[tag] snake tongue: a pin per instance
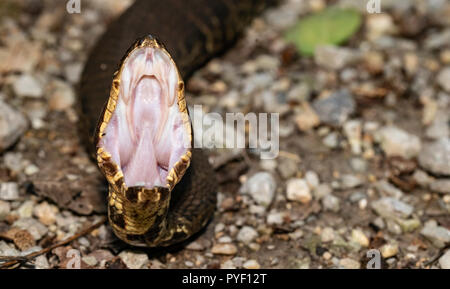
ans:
(146, 135)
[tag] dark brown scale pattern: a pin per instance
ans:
(193, 32)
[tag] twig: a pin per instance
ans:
(13, 260)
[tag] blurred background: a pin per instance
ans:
(363, 93)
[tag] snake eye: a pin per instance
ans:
(148, 132)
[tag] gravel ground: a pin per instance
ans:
(364, 157)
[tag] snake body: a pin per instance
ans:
(192, 32)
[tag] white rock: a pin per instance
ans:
(133, 259)
(261, 187)
(62, 96)
(224, 249)
(251, 264)
(246, 235)
(312, 179)
(275, 218)
(331, 203)
(389, 250)
(298, 190)
(27, 86)
(359, 237)
(397, 142)
(443, 78)
(348, 263)
(444, 261)
(4, 209)
(353, 132)
(9, 191)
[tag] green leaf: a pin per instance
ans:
(331, 26)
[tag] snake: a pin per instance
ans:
(135, 119)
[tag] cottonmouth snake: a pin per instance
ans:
(117, 83)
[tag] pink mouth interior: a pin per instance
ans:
(146, 135)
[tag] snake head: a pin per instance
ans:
(144, 135)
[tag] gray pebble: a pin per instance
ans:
(436, 234)
(331, 203)
(388, 207)
(12, 125)
(397, 142)
(246, 235)
(9, 191)
(261, 187)
(435, 157)
(335, 109)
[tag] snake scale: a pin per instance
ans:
(116, 77)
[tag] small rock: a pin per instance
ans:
(443, 78)
(331, 203)
(27, 86)
(444, 261)
(327, 235)
(385, 187)
(4, 209)
(312, 179)
(90, 260)
(397, 142)
(133, 259)
(26, 209)
(62, 96)
(422, 178)
(36, 229)
(408, 225)
(350, 181)
(353, 132)
(435, 157)
(298, 190)
(46, 213)
(441, 186)
(322, 190)
(331, 140)
(388, 207)
(73, 71)
(31, 170)
(274, 218)
(12, 125)
(359, 237)
(335, 109)
(436, 234)
(261, 187)
(333, 57)
(348, 263)
(228, 264)
(251, 264)
(224, 249)
(287, 168)
(41, 262)
(6, 250)
(306, 118)
(389, 250)
(9, 191)
(246, 235)
(195, 246)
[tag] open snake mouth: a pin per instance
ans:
(148, 131)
